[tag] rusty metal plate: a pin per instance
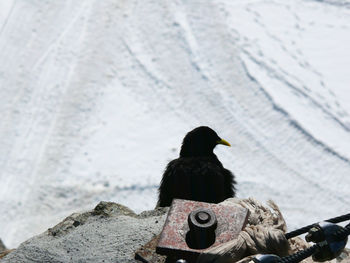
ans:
(172, 242)
(147, 253)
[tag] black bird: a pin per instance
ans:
(197, 174)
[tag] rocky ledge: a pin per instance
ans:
(109, 233)
(112, 233)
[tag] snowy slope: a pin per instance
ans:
(96, 97)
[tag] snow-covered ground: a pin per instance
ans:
(96, 97)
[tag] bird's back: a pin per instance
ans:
(196, 178)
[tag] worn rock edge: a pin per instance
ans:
(109, 233)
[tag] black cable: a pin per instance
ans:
(299, 256)
(331, 252)
(316, 250)
(305, 229)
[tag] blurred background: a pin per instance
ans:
(96, 97)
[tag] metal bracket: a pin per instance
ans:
(175, 239)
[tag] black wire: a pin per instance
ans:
(299, 256)
(305, 229)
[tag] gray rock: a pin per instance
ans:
(109, 233)
(2, 246)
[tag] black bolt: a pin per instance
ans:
(202, 223)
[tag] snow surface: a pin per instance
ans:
(96, 97)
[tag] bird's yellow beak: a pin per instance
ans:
(222, 141)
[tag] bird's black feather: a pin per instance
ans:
(197, 174)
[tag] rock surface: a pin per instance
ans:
(2, 246)
(109, 233)
(112, 233)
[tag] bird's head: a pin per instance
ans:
(200, 142)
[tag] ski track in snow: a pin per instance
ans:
(97, 96)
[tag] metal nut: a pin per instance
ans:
(202, 223)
